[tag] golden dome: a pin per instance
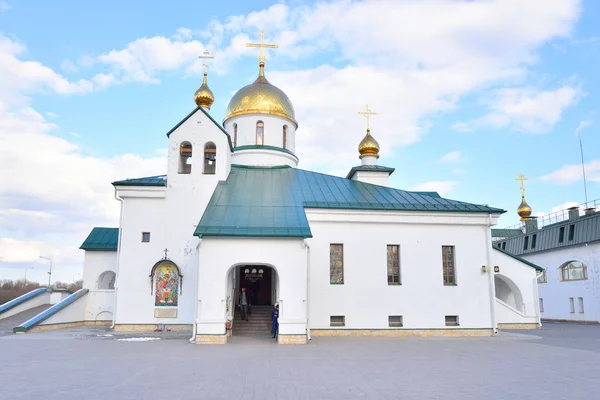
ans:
(524, 210)
(260, 97)
(368, 147)
(204, 97)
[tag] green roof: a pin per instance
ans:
(209, 117)
(375, 168)
(259, 201)
(524, 261)
(104, 239)
(505, 233)
(159, 180)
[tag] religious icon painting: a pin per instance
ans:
(166, 292)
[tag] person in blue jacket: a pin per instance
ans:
(274, 320)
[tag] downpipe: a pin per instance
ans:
(488, 241)
(195, 327)
(307, 290)
(120, 200)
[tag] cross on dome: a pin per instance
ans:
(522, 178)
(367, 114)
(262, 45)
(205, 56)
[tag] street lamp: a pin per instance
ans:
(26, 273)
(50, 270)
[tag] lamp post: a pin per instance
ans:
(26, 273)
(50, 270)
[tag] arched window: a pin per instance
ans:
(260, 133)
(106, 280)
(210, 158)
(573, 271)
(185, 158)
(285, 136)
(234, 135)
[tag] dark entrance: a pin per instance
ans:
(258, 285)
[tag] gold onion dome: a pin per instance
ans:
(260, 97)
(524, 210)
(368, 147)
(204, 97)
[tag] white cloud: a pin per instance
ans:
(582, 125)
(69, 66)
(442, 187)
(4, 7)
(573, 173)
(50, 114)
(452, 157)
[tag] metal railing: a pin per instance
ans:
(560, 215)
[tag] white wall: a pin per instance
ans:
(273, 132)
(99, 303)
(366, 300)
(218, 255)
(556, 293)
(39, 300)
(263, 158)
(74, 312)
(376, 178)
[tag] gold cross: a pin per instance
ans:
(367, 114)
(522, 178)
(262, 46)
(205, 56)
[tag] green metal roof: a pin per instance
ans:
(256, 201)
(209, 117)
(505, 233)
(159, 180)
(375, 168)
(524, 261)
(104, 239)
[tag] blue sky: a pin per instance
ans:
(469, 95)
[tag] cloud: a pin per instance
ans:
(573, 173)
(442, 187)
(582, 125)
(525, 109)
(69, 66)
(50, 114)
(4, 7)
(452, 157)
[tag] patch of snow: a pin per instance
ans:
(139, 339)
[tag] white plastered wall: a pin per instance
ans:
(99, 302)
(366, 300)
(218, 255)
(273, 130)
(556, 294)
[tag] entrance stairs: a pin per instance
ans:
(259, 322)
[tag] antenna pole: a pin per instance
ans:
(582, 166)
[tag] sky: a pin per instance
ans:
(469, 94)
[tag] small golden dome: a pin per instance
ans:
(368, 147)
(260, 97)
(524, 210)
(204, 97)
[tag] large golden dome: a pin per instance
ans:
(368, 147)
(524, 210)
(260, 97)
(204, 97)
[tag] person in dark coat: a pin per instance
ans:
(275, 321)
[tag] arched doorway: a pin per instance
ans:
(508, 292)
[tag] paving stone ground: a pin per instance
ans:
(561, 361)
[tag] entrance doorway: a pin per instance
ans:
(259, 283)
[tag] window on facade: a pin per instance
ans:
(448, 264)
(395, 321)
(336, 263)
(210, 158)
(542, 278)
(393, 264)
(541, 305)
(571, 305)
(337, 320)
(572, 232)
(580, 305)
(260, 133)
(561, 234)
(451, 320)
(573, 271)
(526, 243)
(503, 245)
(285, 136)
(534, 240)
(234, 135)
(106, 280)
(145, 237)
(185, 158)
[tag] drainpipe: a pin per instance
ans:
(536, 304)
(488, 235)
(118, 259)
(195, 327)
(307, 289)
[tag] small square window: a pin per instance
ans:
(337, 320)
(145, 237)
(395, 321)
(451, 320)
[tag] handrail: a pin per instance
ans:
(44, 315)
(21, 299)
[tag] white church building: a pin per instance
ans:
(340, 256)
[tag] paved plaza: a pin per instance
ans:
(558, 362)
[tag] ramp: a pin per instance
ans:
(59, 313)
(7, 324)
(25, 302)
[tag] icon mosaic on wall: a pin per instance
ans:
(166, 291)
